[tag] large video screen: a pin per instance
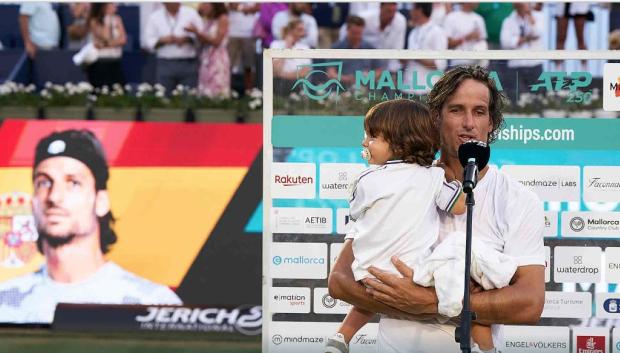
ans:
(127, 213)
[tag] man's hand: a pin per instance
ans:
(401, 292)
(31, 49)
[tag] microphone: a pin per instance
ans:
(474, 156)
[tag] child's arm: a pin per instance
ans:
(458, 204)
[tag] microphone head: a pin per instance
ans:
(478, 150)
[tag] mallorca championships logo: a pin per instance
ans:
(321, 91)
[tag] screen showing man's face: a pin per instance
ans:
(64, 198)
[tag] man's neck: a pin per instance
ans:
(422, 21)
(76, 261)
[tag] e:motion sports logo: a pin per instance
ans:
(318, 72)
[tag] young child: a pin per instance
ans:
(393, 208)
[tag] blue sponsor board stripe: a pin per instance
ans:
(519, 133)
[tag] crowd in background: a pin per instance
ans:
(205, 45)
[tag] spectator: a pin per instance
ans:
(522, 30)
(494, 14)
(426, 35)
(287, 69)
(440, 11)
(329, 16)
(385, 29)
(579, 12)
(109, 37)
(466, 31)
(614, 43)
(242, 43)
(39, 26)
(263, 30)
(354, 40)
(296, 10)
(175, 47)
(78, 29)
(214, 73)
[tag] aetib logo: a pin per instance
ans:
(319, 72)
(611, 87)
(577, 224)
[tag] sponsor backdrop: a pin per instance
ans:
(182, 195)
(573, 165)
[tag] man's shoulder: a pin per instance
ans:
(512, 188)
(22, 283)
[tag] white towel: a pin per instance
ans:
(444, 268)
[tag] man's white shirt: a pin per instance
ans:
(459, 24)
(162, 23)
(514, 27)
(282, 18)
(428, 36)
(508, 218)
(32, 298)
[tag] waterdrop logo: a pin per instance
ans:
(319, 72)
(277, 260)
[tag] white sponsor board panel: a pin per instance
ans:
(601, 184)
(611, 76)
(550, 183)
(551, 224)
(290, 300)
(590, 340)
(607, 305)
(612, 265)
(310, 337)
(336, 179)
(342, 220)
(535, 339)
(577, 264)
(591, 224)
(567, 305)
(293, 180)
(301, 220)
(325, 304)
(299, 260)
(334, 251)
(547, 264)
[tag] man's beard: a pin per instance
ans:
(55, 241)
(297, 12)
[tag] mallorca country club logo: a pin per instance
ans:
(319, 72)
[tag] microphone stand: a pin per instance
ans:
(462, 333)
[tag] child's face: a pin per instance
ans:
(380, 151)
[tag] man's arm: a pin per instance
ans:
(520, 303)
(31, 49)
(342, 285)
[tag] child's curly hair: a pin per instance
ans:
(408, 127)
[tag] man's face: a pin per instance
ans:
(465, 116)
(469, 6)
(354, 33)
(387, 12)
(64, 199)
(172, 7)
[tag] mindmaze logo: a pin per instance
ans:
(577, 224)
(319, 72)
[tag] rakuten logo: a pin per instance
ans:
(288, 180)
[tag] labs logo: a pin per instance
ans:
(577, 224)
(319, 72)
(611, 87)
(590, 344)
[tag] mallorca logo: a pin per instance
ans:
(18, 234)
(319, 72)
(577, 224)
